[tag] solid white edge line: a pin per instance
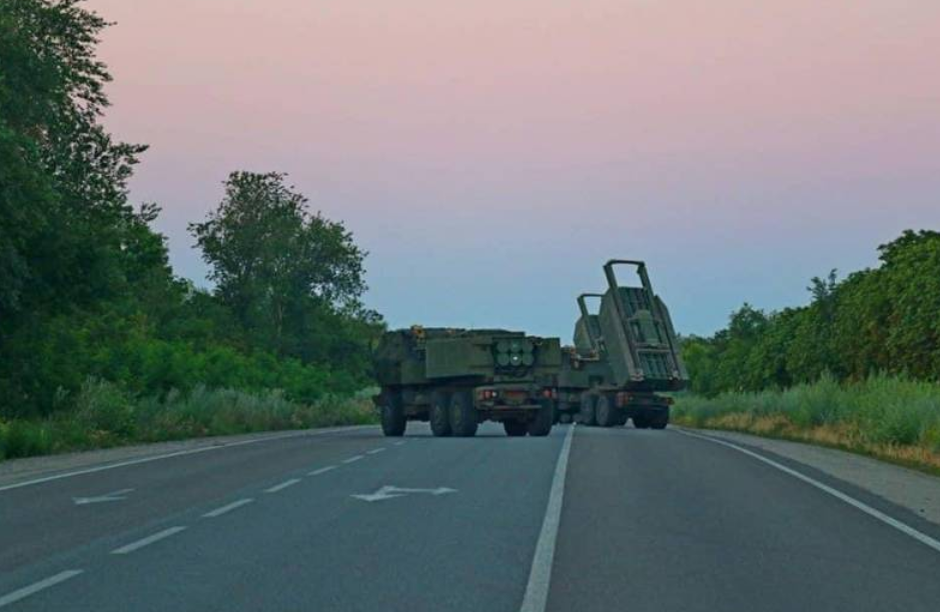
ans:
(322, 470)
(283, 485)
(353, 459)
(160, 535)
(376, 451)
(193, 451)
(400, 443)
(32, 589)
(536, 590)
(228, 508)
(904, 528)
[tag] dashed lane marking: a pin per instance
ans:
(42, 585)
(322, 470)
(228, 508)
(160, 535)
(283, 485)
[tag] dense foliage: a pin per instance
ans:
(884, 320)
(87, 296)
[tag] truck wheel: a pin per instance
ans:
(641, 421)
(660, 420)
(515, 429)
(605, 412)
(463, 415)
(542, 424)
(437, 414)
(588, 403)
(393, 416)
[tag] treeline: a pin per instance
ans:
(89, 305)
(857, 368)
(884, 320)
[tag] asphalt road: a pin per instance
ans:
(586, 519)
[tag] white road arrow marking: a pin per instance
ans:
(389, 492)
(107, 497)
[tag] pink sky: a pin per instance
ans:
(491, 154)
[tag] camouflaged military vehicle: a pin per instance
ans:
(457, 378)
(623, 354)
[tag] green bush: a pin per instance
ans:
(104, 410)
(23, 439)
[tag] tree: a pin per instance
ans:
(910, 275)
(281, 269)
(73, 251)
(64, 197)
(26, 198)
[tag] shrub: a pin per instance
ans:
(104, 411)
(23, 439)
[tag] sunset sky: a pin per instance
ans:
(490, 155)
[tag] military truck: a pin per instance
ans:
(624, 354)
(457, 378)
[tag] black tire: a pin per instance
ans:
(641, 421)
(588, 403)
(660, 420)
(393, 416)
(438, 414)
(463, 415)
(514, 429)
(541, 425)
(605, 413)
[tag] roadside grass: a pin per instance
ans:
(106, 416)
(886, 417)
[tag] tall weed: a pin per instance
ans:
(106, 415)
(879, 412)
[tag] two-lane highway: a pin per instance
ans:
(585, 519)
